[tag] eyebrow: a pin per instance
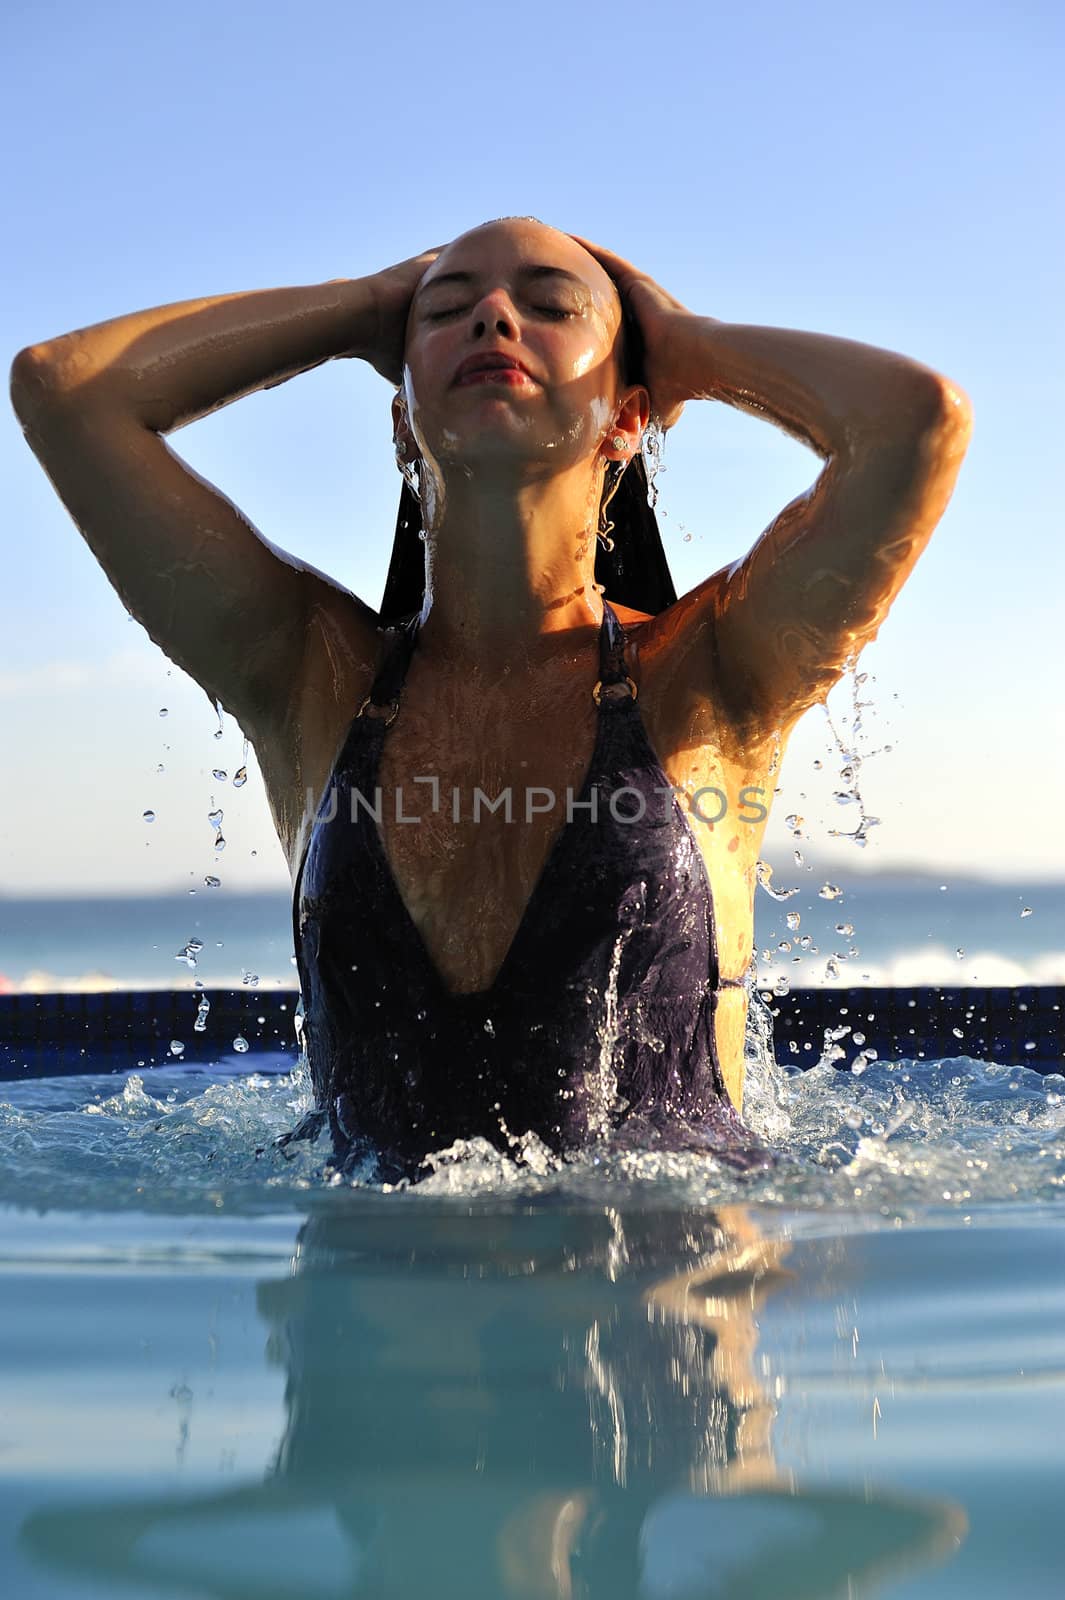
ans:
(530, 273)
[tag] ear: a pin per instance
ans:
(630, 419)
(406, 445)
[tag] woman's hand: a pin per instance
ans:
(392, 291)
(658, 316)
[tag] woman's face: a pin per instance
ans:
(525, 292)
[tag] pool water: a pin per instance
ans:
(223, 1372)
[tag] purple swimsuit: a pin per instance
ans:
(600, 1022)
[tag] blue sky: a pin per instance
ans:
(887, 176)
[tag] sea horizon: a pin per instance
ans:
(883, 928)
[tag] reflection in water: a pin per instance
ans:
(520, 1406)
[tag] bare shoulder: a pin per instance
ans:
(689, 684)
(299, 736)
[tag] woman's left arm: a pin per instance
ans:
(815, 587)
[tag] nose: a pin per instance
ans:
(494, 313)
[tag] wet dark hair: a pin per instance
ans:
(635, 573)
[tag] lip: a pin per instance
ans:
(492, 366)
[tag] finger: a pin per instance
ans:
(621, 270)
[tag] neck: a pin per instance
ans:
(509, 567)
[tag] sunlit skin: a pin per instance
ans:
(498, 691)
(513, 470)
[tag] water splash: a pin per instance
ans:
(602, 1082)
(764, 874)
(651, 448)
(873, 1135)
(850, 771)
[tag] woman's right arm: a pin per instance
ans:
(224, 603)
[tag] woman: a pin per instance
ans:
(554, 963)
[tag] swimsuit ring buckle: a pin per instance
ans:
(386, 713)
(601, 689)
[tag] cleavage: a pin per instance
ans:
(467, 884)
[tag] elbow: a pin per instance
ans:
(936, 426)
(952, 410)
(944, 439)
(33, 381)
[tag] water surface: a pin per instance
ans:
(224, 1372)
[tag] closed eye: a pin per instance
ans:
(456, 311)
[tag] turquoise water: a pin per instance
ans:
(223, 1373)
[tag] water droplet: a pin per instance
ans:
(793, 918)
(960, 953)
(240, 777)
(212, 883)
(204, 1006)
(176, 1047)
(160, 767)
(781, 985)
(1027, 912)
(846, 929)
(859, 1038)
(215, 818)
(218, 774)
(240, 1044)
(831, 969)
(794, 821)
(829, 891)
(219, 842)
(250, 978)
(488, 1028)
(163, 712)
(149, 816)
(764, 873)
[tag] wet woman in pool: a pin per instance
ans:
(522, 815)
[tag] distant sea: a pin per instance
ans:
(907, 930)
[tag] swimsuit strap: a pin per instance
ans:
(614, 687)
(382, 702)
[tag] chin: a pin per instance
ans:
(511, 441)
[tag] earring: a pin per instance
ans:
(618, 442)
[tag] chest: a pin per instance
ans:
(476, 786)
